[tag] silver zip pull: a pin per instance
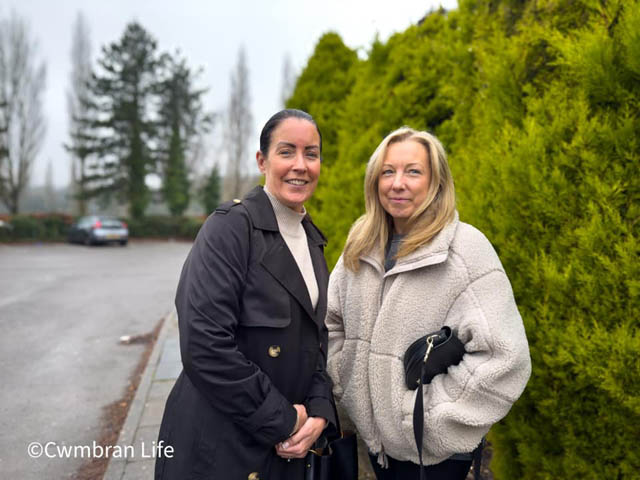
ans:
(429, 347)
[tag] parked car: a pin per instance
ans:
(95, 229)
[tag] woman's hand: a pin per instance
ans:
(299, 444)
(301, 417)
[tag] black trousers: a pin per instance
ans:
(447, 470)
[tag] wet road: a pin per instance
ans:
(62, 310)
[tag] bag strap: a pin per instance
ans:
(418, 420)
(418, 407)
(418, 423)
(335, 413)
(477, 461)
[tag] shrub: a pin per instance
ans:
(36, 227)
(538, 104)
(158, 226)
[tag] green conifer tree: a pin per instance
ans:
(181, 120)
(211, 191)
(402, 82)
(176, 182)
(550, 160)
(321, 90)
(322, 87)
(538, 105)
(123, 92)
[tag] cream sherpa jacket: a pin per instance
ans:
(373, 316)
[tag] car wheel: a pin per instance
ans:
(123, 242)
(87, 240)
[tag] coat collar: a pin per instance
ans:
(434, 252)
(260, 210)
(263, 217)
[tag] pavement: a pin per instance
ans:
(139, 434)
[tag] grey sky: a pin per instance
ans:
(209, 34)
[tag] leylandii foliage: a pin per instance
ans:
(538, 105)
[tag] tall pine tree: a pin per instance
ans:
(123, 93)
(181, 120)
(211, 191)
(322, 90)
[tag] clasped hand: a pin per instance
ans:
(306, 432)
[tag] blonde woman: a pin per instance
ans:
(410, 267)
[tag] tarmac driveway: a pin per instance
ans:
(63, 309)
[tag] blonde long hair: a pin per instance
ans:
(372, 229)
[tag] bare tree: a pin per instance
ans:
(79, 111)
(238, 126)
(22, 84)
(49, 189)
(288, 80)
(3, 135)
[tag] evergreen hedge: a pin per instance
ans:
(54, 227)
(538, 104)
(158, 226)
(35, 227)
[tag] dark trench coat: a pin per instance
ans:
(251, 345)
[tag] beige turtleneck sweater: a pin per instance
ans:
(291, 229)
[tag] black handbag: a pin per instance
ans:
(334, 459)
(425, 358)
(441, 348)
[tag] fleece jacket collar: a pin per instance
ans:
(434, 252)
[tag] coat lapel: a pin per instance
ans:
(316, 244)
(280, 263)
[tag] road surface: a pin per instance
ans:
(63, 309)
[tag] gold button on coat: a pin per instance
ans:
(253, 476)
(274, 351)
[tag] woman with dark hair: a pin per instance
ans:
(409, 268)
(254, 395)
